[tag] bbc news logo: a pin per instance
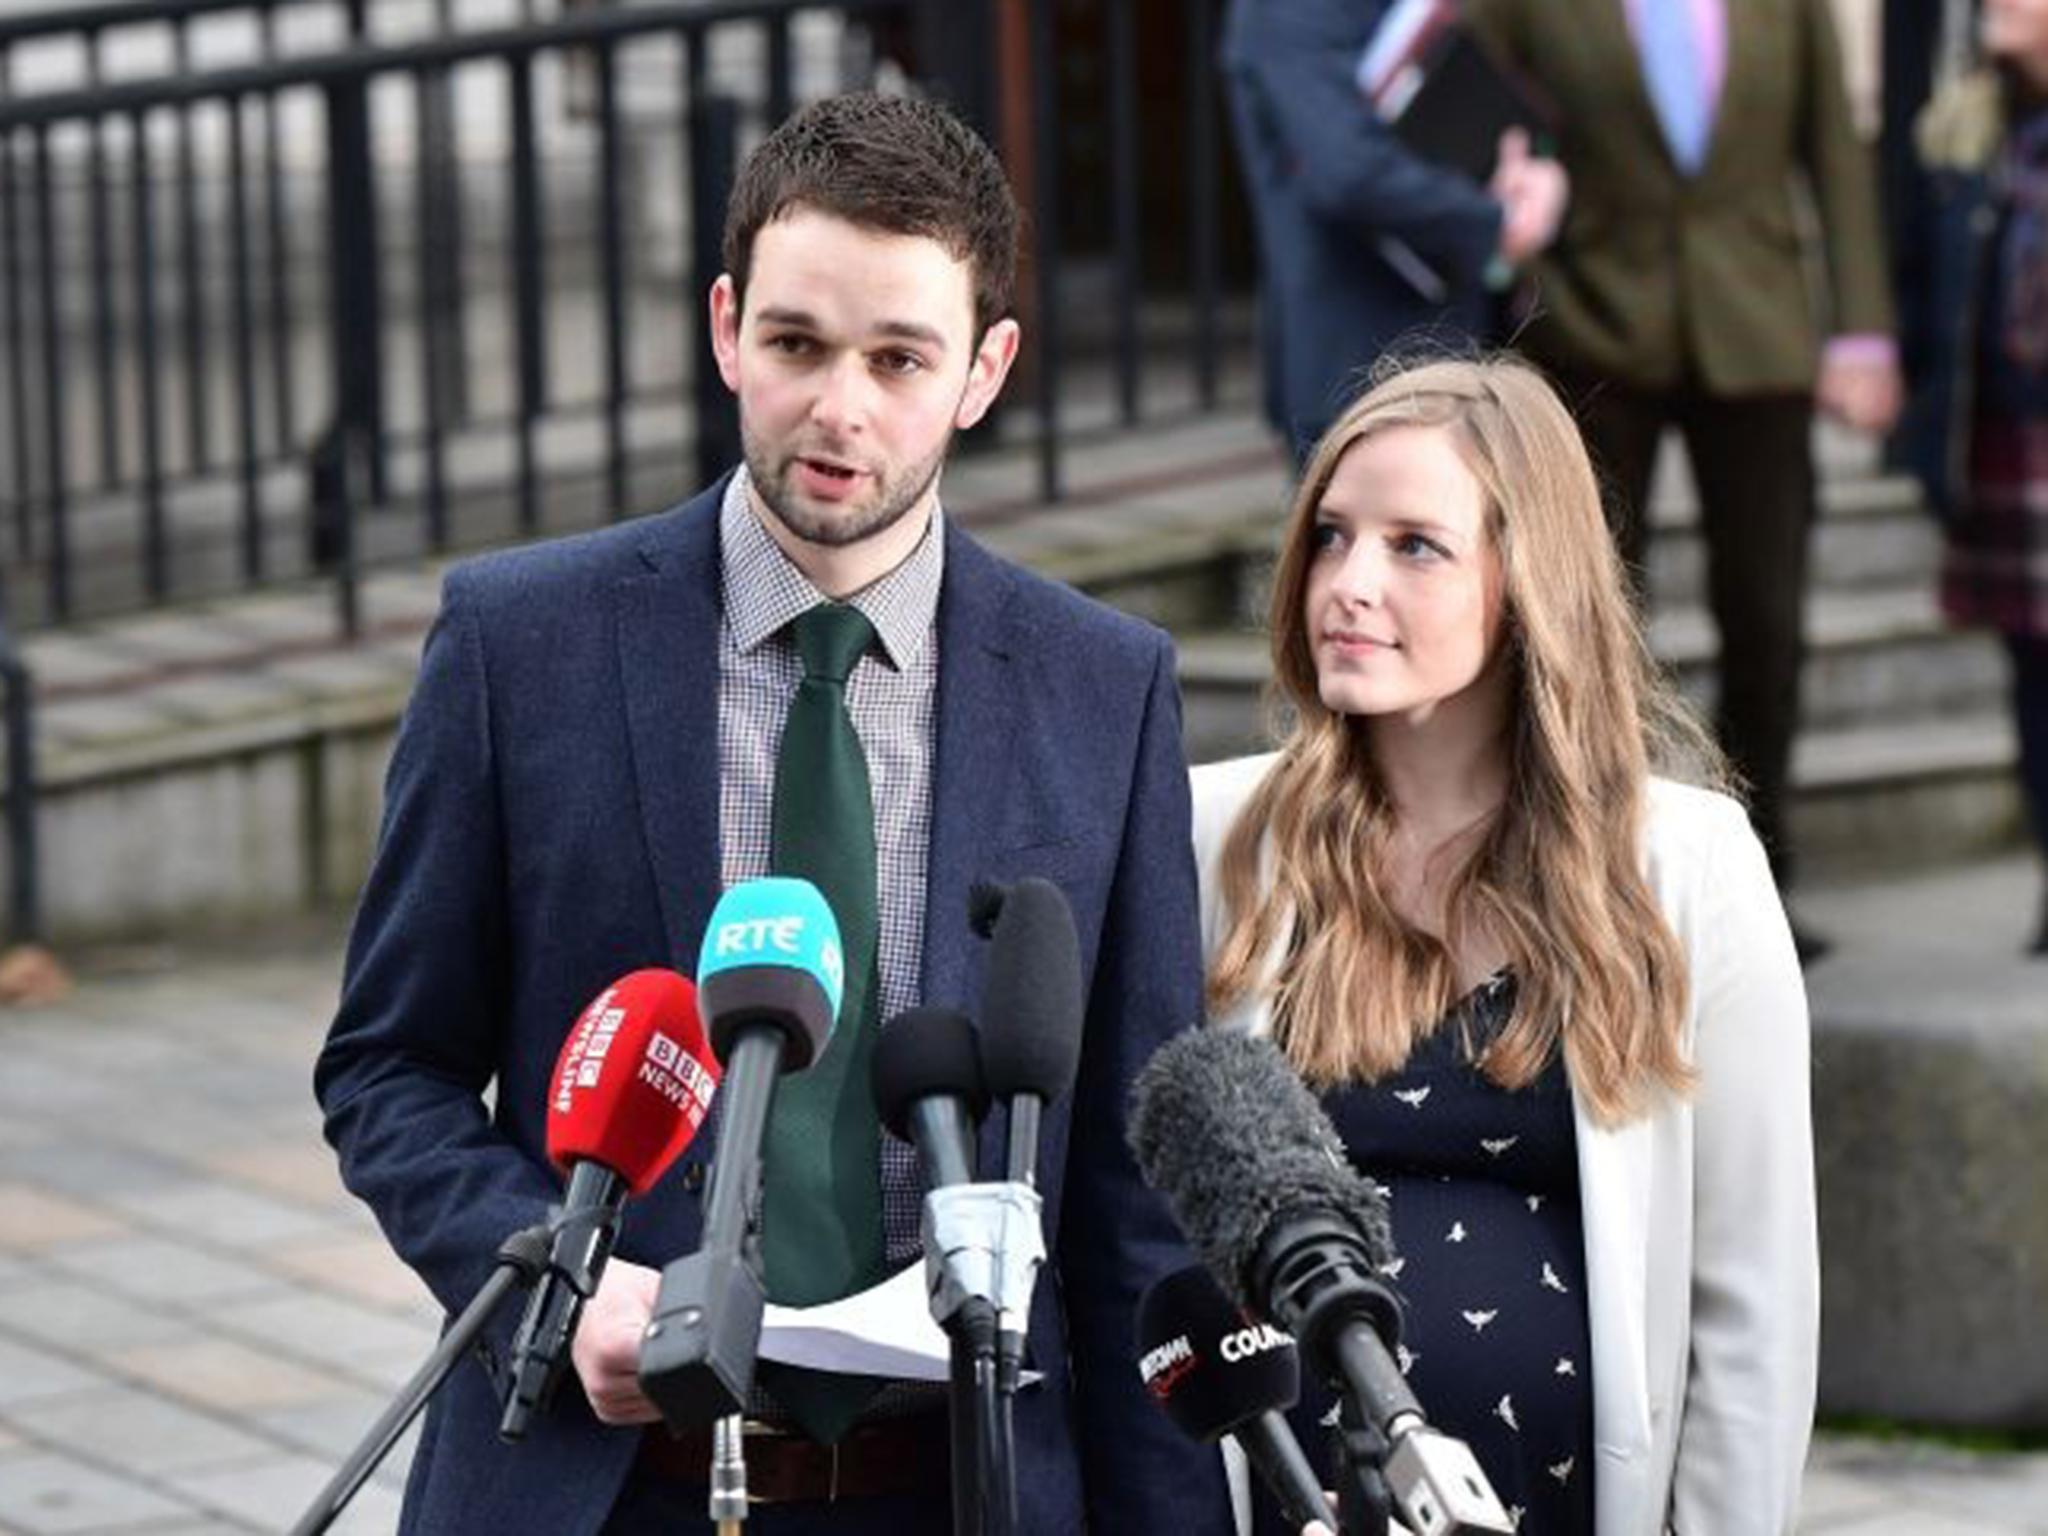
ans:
(584, 1064)
(679, 1076)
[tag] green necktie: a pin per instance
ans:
(821, 1219)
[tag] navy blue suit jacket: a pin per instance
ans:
(1328, 183)
(551, 821)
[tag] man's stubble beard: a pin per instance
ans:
(894, 499)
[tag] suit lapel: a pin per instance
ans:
(667, 630)
(1741, 28)
(971, 764)
(1612, 33)
(972, 722)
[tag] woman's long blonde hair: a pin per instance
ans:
(1556, 875)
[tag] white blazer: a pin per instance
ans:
(1702, 1264)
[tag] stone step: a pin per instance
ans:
(1872, 654)
(1873, 532)
(223, 759)
(1892, 791)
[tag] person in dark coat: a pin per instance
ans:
(595, 751)
(1973, 295)
(1363, 243)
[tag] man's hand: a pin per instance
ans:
(606, 1350)
(1532, 194)
(1861, 390)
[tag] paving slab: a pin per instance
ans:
(161, 1269)
(80, 1319)
(219, 1214)
(50, 1494)
(148, 1434)
(342, 1337)
(269, 1495)
(224, 1375)
(297, 1170)
(34, 1221)
(29, 1373)
(103, 1173)
(331, 1428)
(362, 1267)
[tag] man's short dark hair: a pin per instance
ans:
(897, 164)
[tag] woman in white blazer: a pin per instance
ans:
(1462, 852)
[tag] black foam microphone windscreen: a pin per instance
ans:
(1224, 1128)
(1031, 997)
(926, 1078)
(924, 1053)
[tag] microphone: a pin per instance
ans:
(927, 1081)
(1256, 1175)
(631, 1086)
(769, 983)
(1216, 1372)
(1031, 1044)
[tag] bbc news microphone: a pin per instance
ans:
(769, 984)
(630, 1090)
(1257, 1178)
(1217, 1372)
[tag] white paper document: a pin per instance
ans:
(886, 1330)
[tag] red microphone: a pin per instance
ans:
(634, 1080)
(632, 1085)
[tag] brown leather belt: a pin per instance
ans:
(909, 1455)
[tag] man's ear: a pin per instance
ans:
(723, 303)
(985, 375)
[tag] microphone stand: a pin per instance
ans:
(1365, 1504)
(522, 1261)
(970, 1336)
(1015, 1273)
(966, 1254)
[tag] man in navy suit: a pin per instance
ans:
(587, 762)
(1364, 244)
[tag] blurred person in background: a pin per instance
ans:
(1973, 293)
(1361, 241)
(1679, 293)
(1488, 903)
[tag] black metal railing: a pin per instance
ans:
(24, 890)
(245, 343)
(344, 328)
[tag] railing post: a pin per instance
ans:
(714, 151)
(25, 907)
(956, 48)
(355, 293)
(1045, 218)
(341, 485)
